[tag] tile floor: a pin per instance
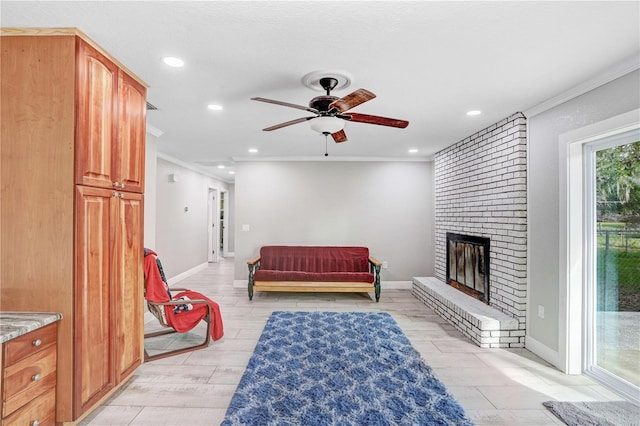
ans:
(494, 386)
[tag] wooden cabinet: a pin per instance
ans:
(73, 134)
(132, 104)
(109, 151)
(29, 378)
(128, 309)
(107, 219)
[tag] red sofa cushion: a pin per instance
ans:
(319, 259)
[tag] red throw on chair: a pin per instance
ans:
(180, 317)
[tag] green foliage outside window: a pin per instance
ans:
(618, 217)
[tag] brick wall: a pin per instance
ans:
(481, 190)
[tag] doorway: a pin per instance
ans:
(222, 224)
(612, 267)
(217, 218)
(213, 224)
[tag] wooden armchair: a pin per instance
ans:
(158, 309)
(180, 313)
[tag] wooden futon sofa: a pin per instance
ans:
(314, 269)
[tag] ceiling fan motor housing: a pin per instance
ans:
(321, 103)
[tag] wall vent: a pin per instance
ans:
(151, 107)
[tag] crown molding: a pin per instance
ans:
(200, 170)
(623, 68)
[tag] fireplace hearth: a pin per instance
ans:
(468, 265)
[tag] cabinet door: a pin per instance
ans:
(93, 330)
(128, 284)
(129, 163)
(96, 111)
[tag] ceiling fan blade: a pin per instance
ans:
(287, 104)
(339, 136)
(351, 100)
(374, 119)
(288, 123)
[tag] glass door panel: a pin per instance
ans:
(615, 294)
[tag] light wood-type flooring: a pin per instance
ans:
(495, 386)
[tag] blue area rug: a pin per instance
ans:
(338, 368)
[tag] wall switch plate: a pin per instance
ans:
(385, 265)
(540, 311)
(246, 228)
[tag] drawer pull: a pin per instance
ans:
(35, 423)
(37, 342)
(35, 377)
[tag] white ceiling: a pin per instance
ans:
(427, 62)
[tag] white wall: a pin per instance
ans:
(387, 206)
(150, 191)
(547, 200)
(182, 236)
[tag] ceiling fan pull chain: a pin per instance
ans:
(326, 153)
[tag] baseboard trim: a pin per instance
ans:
(543, 351)
(396, 285)
(186, 274)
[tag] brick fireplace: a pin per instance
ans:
(480, 191)
(468, 266)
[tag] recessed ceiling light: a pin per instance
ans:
(413, 151)
(214, 107)
(474, 112)
(253, 150)
(173, 61)
(221, 166)
(231, 172)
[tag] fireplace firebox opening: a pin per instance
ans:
(468, 264)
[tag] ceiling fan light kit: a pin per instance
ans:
(330, 111)
(327, 125)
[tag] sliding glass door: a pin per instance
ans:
(613, 267)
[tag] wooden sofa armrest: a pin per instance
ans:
(254, 265)
(374, 266)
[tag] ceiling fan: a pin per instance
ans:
(331, 112)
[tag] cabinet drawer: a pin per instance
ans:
(30, 343)
(28, 378)
(41, 410)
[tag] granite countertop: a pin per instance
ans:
(15, 324)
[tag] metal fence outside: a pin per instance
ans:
(618, 269)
